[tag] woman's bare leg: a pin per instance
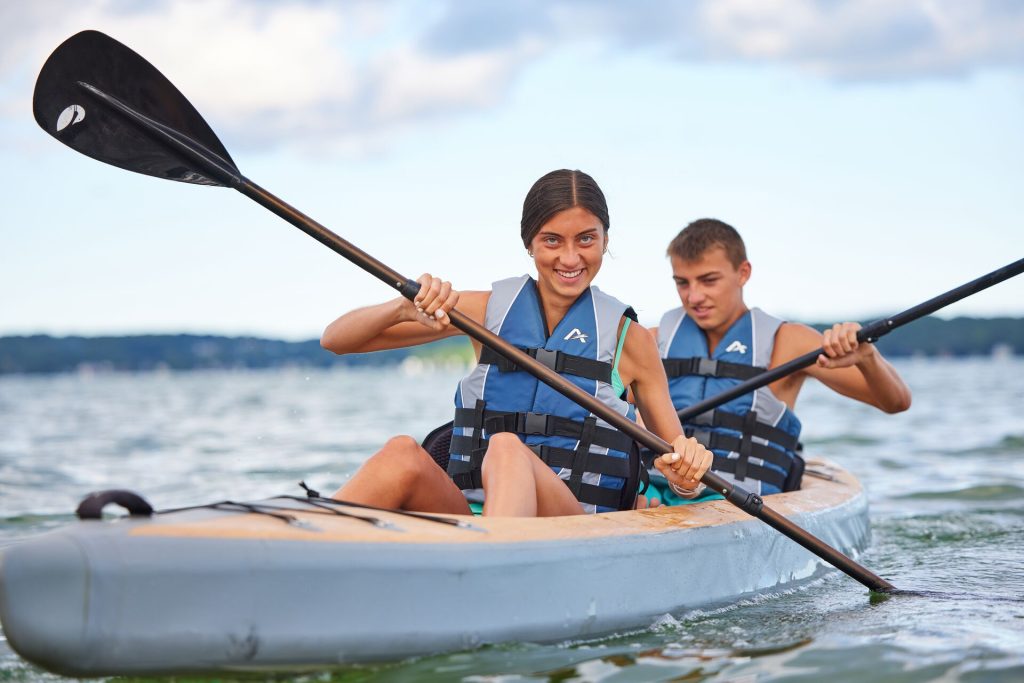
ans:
(403, 476)
(518, 484)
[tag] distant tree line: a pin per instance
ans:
(46, 354)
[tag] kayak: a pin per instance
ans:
(288, 584)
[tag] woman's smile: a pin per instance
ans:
(568, 251)
(570, 275)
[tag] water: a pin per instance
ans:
(945, 481)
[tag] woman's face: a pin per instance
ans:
(568, 251)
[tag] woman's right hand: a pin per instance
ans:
(431, 304)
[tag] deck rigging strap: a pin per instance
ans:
(322, 506)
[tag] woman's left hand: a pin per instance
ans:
(686, 464)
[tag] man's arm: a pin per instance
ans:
(848, 367)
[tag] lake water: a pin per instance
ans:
(945, 481)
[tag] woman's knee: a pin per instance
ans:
(402, 443)
(504, 441)
(505, 450)
(404, 454)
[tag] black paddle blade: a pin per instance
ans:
(70, 111)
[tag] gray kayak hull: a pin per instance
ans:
(207, 591)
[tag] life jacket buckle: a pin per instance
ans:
(707, 366)
(534, 424)
(549, 359)
(705, 418)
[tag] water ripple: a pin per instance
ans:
(945, 481)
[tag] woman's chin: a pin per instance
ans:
(570, 288)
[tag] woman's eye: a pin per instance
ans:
(587, 239)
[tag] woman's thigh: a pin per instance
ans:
(554, 499)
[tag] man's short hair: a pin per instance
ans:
(695, 239)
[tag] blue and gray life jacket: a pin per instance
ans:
(755, 437)
(600, 465)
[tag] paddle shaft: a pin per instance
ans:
(869, 334)
(219, 169)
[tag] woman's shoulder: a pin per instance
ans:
(640, 342)
(636, 332)
(474, 303)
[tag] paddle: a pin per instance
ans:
(104, 100)
(870, 334)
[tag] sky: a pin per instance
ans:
(871, 153)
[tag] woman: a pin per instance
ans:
(512, 433)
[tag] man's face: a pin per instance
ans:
(711, 288)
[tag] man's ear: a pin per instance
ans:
(744, 271)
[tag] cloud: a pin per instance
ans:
(349, 75)
(869, 39)
(862, 39)
(319, 73)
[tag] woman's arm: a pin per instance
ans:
(642, 369)
(399, 323)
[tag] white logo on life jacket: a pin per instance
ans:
(736, 346)
(576, 334)
(70, 116)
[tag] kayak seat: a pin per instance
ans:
(438, 442)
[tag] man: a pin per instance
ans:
(713, 342)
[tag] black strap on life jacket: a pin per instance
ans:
(581, 455)
(707, 367)
(717, 441)
(467, 473)
(750, 470)
(721, 463)
(741, 468)
(559, 361)
(529, 424)
(739, 423)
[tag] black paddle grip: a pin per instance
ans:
(751, 503)
(410, 289)
(872, 331)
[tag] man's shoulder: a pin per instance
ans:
(793, 339)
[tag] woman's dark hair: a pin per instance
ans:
(558, 191)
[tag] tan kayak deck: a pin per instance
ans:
(322, 526)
